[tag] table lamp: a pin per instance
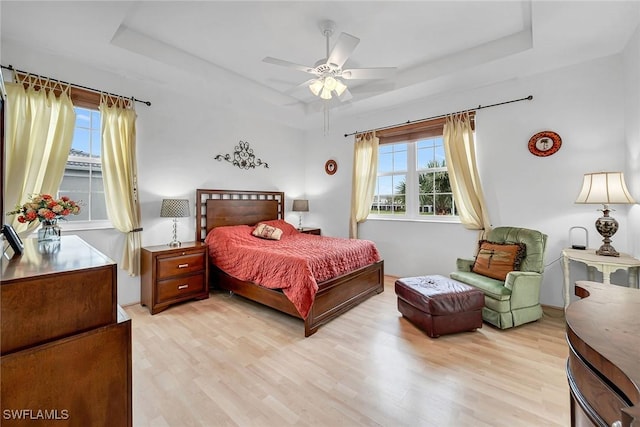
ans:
(300, 206)
(174, 208)
(605, 188)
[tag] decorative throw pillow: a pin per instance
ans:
(495, 260)
(287, 229)
(265, 231)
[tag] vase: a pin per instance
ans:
(49, 231)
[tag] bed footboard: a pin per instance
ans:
(339, 295)
(334, 296)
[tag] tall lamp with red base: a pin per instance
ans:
(605, 188)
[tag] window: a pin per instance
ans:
(82, 180)
(413, 181)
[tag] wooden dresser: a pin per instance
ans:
(603, 333)
(65, 343)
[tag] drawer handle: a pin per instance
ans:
(616, 424)
(183, 265)
(185, 286)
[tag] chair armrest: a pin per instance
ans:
(463, 264)
(524, 287)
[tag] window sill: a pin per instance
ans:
(435, 219)
(85, 225)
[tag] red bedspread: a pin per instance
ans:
(296, 263)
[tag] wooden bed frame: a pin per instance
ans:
(215, 208)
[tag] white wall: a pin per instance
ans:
(582, 103)
(178, 137)
(631, 61)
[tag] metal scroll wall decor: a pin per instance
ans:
(242, 157)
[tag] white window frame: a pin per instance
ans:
(412, 190)
(87, 224)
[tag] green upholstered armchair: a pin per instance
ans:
(516, 300)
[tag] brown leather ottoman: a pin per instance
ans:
(439, 305)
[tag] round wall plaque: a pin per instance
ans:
(330, 167)
(544, 144)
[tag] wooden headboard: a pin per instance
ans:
(216, 208)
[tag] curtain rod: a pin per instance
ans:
(10, 67)
(479, 107)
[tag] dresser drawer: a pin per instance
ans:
(180, 264)
(180, 287)
(594, 392)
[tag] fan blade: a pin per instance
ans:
(369, 73)
(288, 64)
(342, 50)
(346, 96)
(300, 86)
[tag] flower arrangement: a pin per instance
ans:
(43, 207)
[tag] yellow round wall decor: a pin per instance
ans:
(545, 143)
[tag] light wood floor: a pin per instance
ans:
(226, 361)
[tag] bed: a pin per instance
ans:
(335, 296)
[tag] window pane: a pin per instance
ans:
(82, 180)
(439, 152)
(96, 147)
(400, 159)
(392, 158)
(430, 153)
(83, 118)
(82, 141)
(95, 119)
(444, 204)
(398, 202)
(425, 206)
(385, 162)
(390, 195)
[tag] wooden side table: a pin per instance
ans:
(604, 264)
(311, 230)
(173, 274)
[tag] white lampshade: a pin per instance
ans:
(316, 87)
(330, 83)
(340, 87)
(604, 188)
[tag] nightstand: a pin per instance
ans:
(170, 275)
(311, 230)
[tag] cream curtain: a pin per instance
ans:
(38, 138)
(460, 154)
(365, 168)
(119, 173)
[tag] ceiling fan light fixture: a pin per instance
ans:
(316, 86)
(340, 87)
(330, 83)
(326, 93)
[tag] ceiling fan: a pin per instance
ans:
(328, 71)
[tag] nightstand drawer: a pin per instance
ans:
(177, 265)
(179, 287)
